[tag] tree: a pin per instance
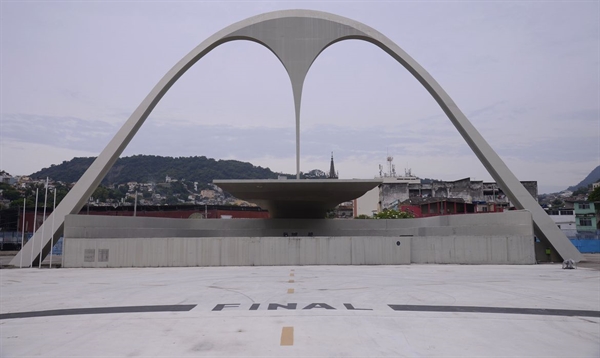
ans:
(101, 193)
(30, 203)
(594, 195)
(171, 200)
(394, 214)
(315, 174)
(9, 192)
(581, 190)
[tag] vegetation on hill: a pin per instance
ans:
(9, 192)
(151, 168)
(593, 177)
(16, 196)
(594, 195)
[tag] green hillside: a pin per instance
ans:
(592, 177)
(151, 168)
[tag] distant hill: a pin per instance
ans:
(593, 177)
(151, 168)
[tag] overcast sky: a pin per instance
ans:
(526, 74)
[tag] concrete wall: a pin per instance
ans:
(489, 224)
(456, 249)
(498, 238)
(236, 251)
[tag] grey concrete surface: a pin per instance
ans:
(236, 251)
(590, 261)
(297, 37)
(274, 251)
(473, 250)
(493, 238)
(299, 198)
(516, 316)
(7, 256)
(492, 224)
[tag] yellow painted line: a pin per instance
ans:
(290, 290)
(287, 336)
(291, 281)
(291, 275)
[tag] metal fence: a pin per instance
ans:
(11, 241)
(587, 246)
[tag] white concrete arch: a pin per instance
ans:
(297, 37)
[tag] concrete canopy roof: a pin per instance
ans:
(297, 198)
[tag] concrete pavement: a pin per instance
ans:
(302, 311)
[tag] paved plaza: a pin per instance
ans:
(412, 310)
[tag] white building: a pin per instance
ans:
(565, 220)
(370, 202)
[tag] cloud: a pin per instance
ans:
(430, 149)
(525, 74)
(24, 158)
(61, 132)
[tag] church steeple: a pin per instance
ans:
(332, 173)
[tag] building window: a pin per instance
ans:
(584, 206)
(585, 222)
